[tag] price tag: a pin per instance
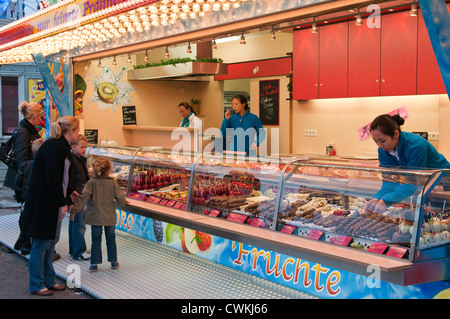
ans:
(214, 213)
(178, 205)
(315, 234)
(163, 201)
(237, 217)
(378, 248)
(398, 252)
(259, 222)
(151, 199)
(141, 196)
(183, 207)
(288, 229)
(156, 200)
(170, 203)
(134, 195)
(343, 240)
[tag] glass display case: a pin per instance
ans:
(326, 202)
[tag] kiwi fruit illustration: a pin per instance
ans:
(107, 92)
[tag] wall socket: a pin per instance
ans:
(433, 136)
(310, 133)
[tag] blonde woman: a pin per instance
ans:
(23, 137)
(46, 203)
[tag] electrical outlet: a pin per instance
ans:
(310, 132)
(433, 136)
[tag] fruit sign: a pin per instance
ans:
(307, 276)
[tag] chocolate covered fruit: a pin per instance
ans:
(107, 92)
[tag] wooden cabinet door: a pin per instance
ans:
(398, 54)
(333, 60)
(305, 55)
(363, 60)
(429, 78)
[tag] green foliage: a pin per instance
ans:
(176, 61)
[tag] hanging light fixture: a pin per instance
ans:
(314, 26)
(99, 64)
(114, 62)
(86, 67)
(413, 12)
(189, 50)
(146, 56)
(214, 44)
(272, 34)
(129, 58)
(166, 53)
(243, 38)
(358, 19)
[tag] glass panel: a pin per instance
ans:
(119, 156)
(238, 190)
(435, 224)
(10, 103)
(336, 202)
(159, 174)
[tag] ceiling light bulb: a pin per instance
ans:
(129, 58)
(314, 26)
(272, 34)
(114, 62)
(146, 56)
(214, 44)
(358, 19)
(99, 64)
(166, 53)
(189, 50)
(243, 39)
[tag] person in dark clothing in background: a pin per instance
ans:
(23, 136)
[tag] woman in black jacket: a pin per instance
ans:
(46, 203)
(24, 136)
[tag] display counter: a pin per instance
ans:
(301, 208)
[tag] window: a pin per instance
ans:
(10, 102)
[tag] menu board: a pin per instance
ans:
(129, 115)
(269, 102)
(91, 135)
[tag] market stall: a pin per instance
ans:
(291, 222)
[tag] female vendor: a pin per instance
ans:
(190, 119)
(397, 148)
(247, 129)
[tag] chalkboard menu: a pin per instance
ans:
(269, 102)
(129, 115)
(91, 135)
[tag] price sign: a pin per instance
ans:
(343, 240)
(397, 252)
(288, 229)
(237, 217)
(156, 200)
(214, 213)
(315, 234)
(163, 201)
(378, 248)
(151, 199)
(170, 203)
(178, 205)
(183, 207)
(259, 222)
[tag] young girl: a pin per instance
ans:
(100, 194)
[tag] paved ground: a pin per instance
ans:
(14, 267)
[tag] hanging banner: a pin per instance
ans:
(36, 94)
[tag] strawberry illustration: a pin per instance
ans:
(203, 240)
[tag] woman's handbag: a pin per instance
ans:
(7, 152)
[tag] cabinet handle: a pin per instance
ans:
(384, 81)
(320, 84)
(316, 85)
(376, 81)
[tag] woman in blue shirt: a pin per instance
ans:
(397, 148)
(247, 129)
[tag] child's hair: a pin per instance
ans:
(35, 145)
(80, 138)
(101, 166)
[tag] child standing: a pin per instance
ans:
(100, 194)
(78, 177)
